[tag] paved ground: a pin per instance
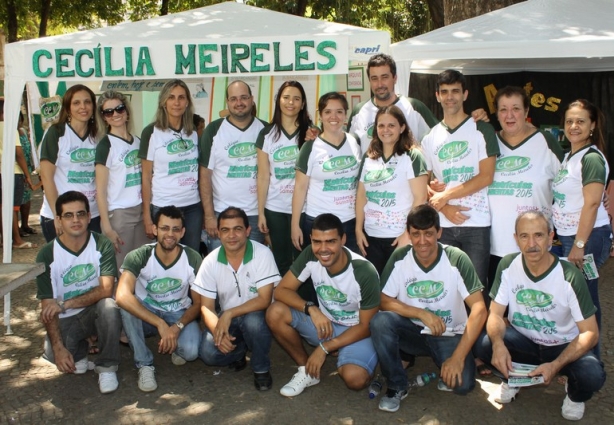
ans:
(33, 391)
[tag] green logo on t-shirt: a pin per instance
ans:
(370, 132)
(378, 175)
(425, 289)
(80, 273)
(132, 158)
(242, 150)
(512, 163)
(83, 155)
(561, 176)
(289, 153)
(339, 163)
(179, 146)
(452, 150)
(533, 298)
(163, 285)
(328, 293)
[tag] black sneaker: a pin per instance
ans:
(239, 365)
(263, 381)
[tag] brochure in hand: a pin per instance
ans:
(519, 375)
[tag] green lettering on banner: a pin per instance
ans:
(79, 70)
(278, 66)
(207, 58)
(300, 55)
(258, 57)
(224, 59)
(61, 63)
(108, 66)
(182, 61)
(321, 49)
(128, 58)
(144, 63)
(36, 63)
(97, 68)
(236, 57)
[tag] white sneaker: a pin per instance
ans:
(507, 393)
(177, 360)
(298, 383)
(571, 410)
(107, 382)
(147, 379)
(81, 366)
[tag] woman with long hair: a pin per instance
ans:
(278, 145)
(169, 154)
(393, 180)
(67, 157)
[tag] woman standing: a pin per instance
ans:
(393, 180)
(278, 145)
(118, 177)
(579, 216)
(169, 154)
(327, 174)
(68, 150)
(24, 209)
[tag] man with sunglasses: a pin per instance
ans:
(240, 275)
(155, 297)
(76, 294)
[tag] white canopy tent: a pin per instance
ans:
(536, 35)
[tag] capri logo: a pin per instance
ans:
(328, 293)
(512, 163)
(132, 158)
(425, 289)
(452, 150)
(164, 285)
(339, 163)
(242, 150)
(533, 298)
(83, 155)
(179, 146)
(288, 153)
(378, 175)
(80, 273)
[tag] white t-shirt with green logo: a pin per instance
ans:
(454, 155)
(230, 152)
(522, 182)
(440, 289)
(333, 176)
(543, 308)
(419, 118)
(164, 288)
(282, 153)
(70, 274)
(587, 165)
(389, 197)
(216, 279)
(121, 157)
(175, 165)
(341, 296)
(73, 158)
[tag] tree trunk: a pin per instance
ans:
(436, 12)
(301, 8)
(12, 21)
(45, 12)
(456, 11)
(164, 8)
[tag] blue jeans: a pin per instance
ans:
(584, 376)
(475, 242)
(254, 234)
(349, 227)
(251, 333)
(193, 218)
(137, 330)
(392, 332)
(48, 227)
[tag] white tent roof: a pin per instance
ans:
(223, 23)
(536, 35)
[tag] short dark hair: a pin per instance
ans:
(233, 212)
(67, 198)
(169, 211)
(509, 91)
(423, 217)
(328, 221)
(451, 76)
(382, 59)
(333, 95)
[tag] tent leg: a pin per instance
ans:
(7, 314)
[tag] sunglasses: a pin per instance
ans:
(108, 113)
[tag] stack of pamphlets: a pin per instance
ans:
(519, 375)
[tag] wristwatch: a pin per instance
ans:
(180, 325)
(307, 305)
(579, 243)
(61, 304)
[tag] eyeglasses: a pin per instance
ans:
(70, 215)
(108, 113)
(170, 229)
(243, 98)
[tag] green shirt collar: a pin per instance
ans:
(247, 257)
